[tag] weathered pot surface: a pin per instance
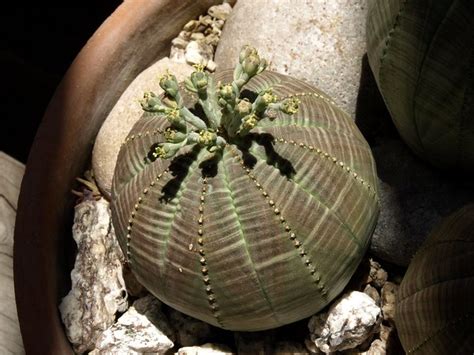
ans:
(133, 37)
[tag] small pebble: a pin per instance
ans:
(191, 26)
(378, 275)
(211, 65)
(220, 12)
(197, 36)
(372, 293)
(179, 42)
(389, 299)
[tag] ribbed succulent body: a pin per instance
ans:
(260, 230)
(435, 309)
(422, 55)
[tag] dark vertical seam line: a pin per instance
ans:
(321, 287)
(421, 72)
(465, 111)
(262, 289)
(181, 193)
(133, 210)
(383, 57)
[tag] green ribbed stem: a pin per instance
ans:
(266, 233)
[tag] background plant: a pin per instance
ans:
(435, 309)
(422, 56)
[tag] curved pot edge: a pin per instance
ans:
(135, 35)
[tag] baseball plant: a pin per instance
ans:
(245, 199)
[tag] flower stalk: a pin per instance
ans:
(228, 116)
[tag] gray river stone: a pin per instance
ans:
(321, 41)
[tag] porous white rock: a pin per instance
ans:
(142, 329)
(98, 289)
(124, 115)
(189, 331)
(321, 41)
(11, 174)
(206, 349)
(348, 323)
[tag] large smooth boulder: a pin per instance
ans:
(124, 115)
(321, 42)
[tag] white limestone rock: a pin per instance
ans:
(98, 289)
(142, 329)
(321, 41)
(347, 324)
(124, 115)
(11, 174)
(206, 349)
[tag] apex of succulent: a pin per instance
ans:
(227, 115)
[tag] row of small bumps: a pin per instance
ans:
(292, 236)
(202, 257)
(136, 208)
(333, 159)
(143, 134)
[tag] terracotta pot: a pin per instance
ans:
(134, 36)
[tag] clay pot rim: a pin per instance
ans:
(61, 150)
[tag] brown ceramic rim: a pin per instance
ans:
(134, 36)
